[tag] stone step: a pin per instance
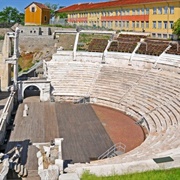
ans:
(69, 176)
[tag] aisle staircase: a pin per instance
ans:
(115, 150)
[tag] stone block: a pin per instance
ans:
(40, 160)
(69, 176)
(58, 141)
(38, 154)
(59, 163)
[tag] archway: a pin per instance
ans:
(31, 90)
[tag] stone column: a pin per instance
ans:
(15, 57)
(75, 46)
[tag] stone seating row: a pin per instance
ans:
(170, 60)
(175, 48)
(97, 45)
(150, 94)
(118, 46)
(72, 77)
(151, 48)
(116, 87)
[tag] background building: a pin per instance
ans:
(155, 16)
(37, 14)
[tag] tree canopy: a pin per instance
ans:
(62, 15)
(176, 27)
(11, 15)
(53, 8)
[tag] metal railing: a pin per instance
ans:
(117, 147)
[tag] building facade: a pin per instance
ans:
(37, 14)
(154, 16)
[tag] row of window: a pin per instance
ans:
(164, 36)
(162, 24)
(135, 24)
(126, 24)
(163, 10)
(122, 12)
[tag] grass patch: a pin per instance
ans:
(172, 174)
(85, 39)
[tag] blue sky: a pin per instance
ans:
(21, 4)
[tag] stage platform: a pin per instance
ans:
(84, 135)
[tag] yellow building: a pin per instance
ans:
(37, 14)
(154, 16)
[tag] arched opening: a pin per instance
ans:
(31, 91)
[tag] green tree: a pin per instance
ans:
(53, 8)
(9, 14)
(21, 18)
(176, 27)
(62, 15)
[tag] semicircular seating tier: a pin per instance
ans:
(150, 95)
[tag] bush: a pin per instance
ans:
(1, 37)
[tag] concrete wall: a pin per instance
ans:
(5, 116)
(34, 31)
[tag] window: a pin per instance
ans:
(165, 10)
(123, 23)
(121, 12)
(170, 36)
(127, 12)
(142, 11)
(104, 13)
(147, 10)
(165, 24)
(153, 35)
(127, 24)
(159, 24)
(154, 24)
(133, 24)
(109, 24)
(104, 23)
(138, 11)
(120, 23)
(116, 23)
(159, 10)
(142, 24)
(171, 24)
(165, 36)
(32, 9)
(45, 18)
(137, 24)
(159, 35)
(171, 9)
(154, 10)
(147, 24)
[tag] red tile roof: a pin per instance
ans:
(42, 6)
(101, 5)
